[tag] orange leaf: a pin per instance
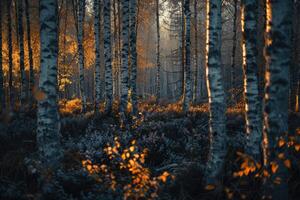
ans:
(265, 173)
(210, 187)
(287, 163)
(131, 148)
(281, 156)
(274, 167)
(281, 142)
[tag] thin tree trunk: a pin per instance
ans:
(233, 75)
(217, 108)
(65, 70)
(195, 92)
(116, 55)
(253, 106)
(261, 26)
(125, 50)
(24, 87)
(133, 55)
(81, 13)
(31, 72)
(15, 6)
(297, 106)
(295, 64)
(97, 54)
(278, 57)
(108, 57)
(10, 60)
(297, 78)
(48, 123)
(119, 46)
(157, 53)
(188, 88)
(2, 95)
(182, 49)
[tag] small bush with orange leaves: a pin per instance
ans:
(123, 169)
(251, 171)
(69, 107)
(287, 148)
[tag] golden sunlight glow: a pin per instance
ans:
(269, 21)
(207, 47)
(244, 51)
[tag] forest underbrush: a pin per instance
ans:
(161, 154)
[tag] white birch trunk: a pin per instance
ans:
(215, 89)
(278, 61)
(253, 106)
(133, 55)
(125, 50)
(188, 88)
(48, 124)
(97, 55)
(108, 57)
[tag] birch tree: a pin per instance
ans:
(97, 54)
(261, 62)
(278, 60)
(24, 87)
(157, 52)
(2, 97)
(81, 13)
(188, 88)
(48, 124)
(133, 54)
(253, 106)
(125, 50)
(217, 132)
(108, 57)
(30, 56)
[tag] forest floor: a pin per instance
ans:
(161, 154)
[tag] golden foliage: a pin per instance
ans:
(70, 107)
(129, 160)
(176, 107)
(249, 167)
